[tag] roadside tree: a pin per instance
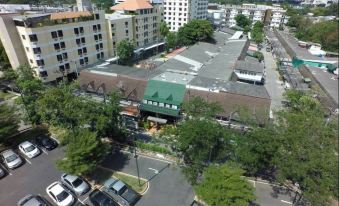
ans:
(125, 51)
(224, 185)
(164, 30)
(171, 41)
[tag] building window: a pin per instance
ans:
(126, 32)
(84, 50)
(81, 30)
(101, 45)
(27, 49)
(98, 56)
(76, 31)
(54, 34)
(61, 68)
(167, 105)
(86, 60)
(78, 41)
(81, 62)
(79, 51)
(40, 62)
(95, 28)
(174, 107)
(100, 36)
(97, 16)
(67, 66)
(83, 40)
(144, 101)
(96, 37)
(23, 36)
(155, 103)
(31, 61)
(43, 74)
(56, 46)
(37, 50)
(161, 104)
(62, 45)
(64, 56)
(97, 47)
(60, 34)
(126, 24)
(59, 57)
(33, 38)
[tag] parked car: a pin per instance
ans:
(59, 194)
(11, 159)
(46, 142)
(29, 149)
(74, 183)
(33, 200)
(99, 198)
(120, 192)
(2, 172)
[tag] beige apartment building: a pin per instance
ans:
(137, 20)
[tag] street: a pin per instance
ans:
(272, 83)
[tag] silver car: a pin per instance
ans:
(11, 159)
(75, 183)
(2, 172)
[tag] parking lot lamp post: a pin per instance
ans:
(136, 161)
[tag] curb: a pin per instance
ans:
(118, 172)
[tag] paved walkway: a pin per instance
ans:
(273, 84)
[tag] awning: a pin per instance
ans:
(156, 119)
(154, 45)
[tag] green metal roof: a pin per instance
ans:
(160, 110)
(165, 92)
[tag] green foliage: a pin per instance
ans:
(31, 89)
(171, 41)
(125, 50)
(83, 153)
(257, 33)
(8, 122)
(4, 61)
(223, 185)
(200, 141)
(164, 30)
(242, 21)
(198, 107)
(152, 147)
(259, 55)
(326, 33)
(194, 31)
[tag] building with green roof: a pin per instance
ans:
(164, 98)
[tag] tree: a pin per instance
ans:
(31, 90)
(242, 20)
(197, 107)
(259, 55)
(8, 122)
(125, 50)
(257, 32)
(194, 31)
(199, 142)
(164, 30)
(4, 61)
(83, 153)
(171, 41)
(223, 185)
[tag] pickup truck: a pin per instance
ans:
(120, 192)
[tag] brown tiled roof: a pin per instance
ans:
(129, 87)
(231, 102)
(132, 5)
(69, 14)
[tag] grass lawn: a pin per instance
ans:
(100, 175)
(6, 96)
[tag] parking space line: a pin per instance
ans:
(7, 170)
(44, 151)
(286, 202)
(28, 161)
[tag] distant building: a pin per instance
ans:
(272, 16)
(84, 5)
(179, 12)
(250, 71)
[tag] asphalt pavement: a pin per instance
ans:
(168, 186)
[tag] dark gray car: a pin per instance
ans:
(33, 200)
(120, 192)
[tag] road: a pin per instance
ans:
(168, 186)
(272, 83)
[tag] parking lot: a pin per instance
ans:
(32, 178)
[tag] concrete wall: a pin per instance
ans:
(11, 41)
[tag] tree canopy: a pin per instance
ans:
(8, 122)
(171, 40)
(223, 185)
(125, 50)
(83, 153)
(257, 33)
(194, 31)
(164, 30)
(242, 21)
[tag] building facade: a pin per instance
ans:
(272, 16)
(179, 12)
(137, 20)
(60, 44)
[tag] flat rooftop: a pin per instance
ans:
(328, 81)
(117, 15)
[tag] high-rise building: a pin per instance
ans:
(84, 5)
(137, 20)
(179, 12)
(55, 45)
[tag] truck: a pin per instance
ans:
(120, 192)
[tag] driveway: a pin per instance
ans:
(168, 186)
(272, 83)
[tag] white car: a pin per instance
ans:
(11, 159)
(60, 195)
(29, 149)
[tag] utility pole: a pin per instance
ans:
(136, 161)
